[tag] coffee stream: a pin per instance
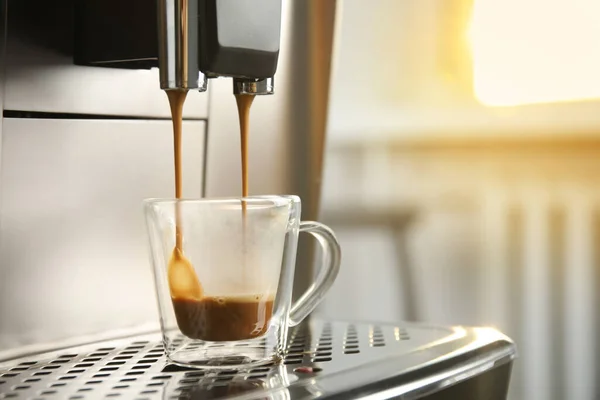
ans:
(244, 102)
(183, 282)
(213, 318)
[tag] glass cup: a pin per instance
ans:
(224, 270)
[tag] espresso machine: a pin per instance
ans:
(86, 136)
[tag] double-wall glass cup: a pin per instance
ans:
(224, 271)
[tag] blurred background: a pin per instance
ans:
(461, 175)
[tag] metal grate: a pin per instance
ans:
(138, 369)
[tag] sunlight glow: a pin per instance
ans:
(535, 51)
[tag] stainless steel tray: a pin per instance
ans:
(324, 359)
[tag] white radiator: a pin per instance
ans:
(538, 281)
(506, 239)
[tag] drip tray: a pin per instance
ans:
(324, 359)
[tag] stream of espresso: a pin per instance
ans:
(244, 102)
(183, 282)
(176, 102)
(211, 317)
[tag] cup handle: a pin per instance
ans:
(330, 266)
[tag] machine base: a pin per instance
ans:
(324, 359)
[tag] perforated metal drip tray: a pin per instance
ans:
(324, 359)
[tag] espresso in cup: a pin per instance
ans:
(224, 318)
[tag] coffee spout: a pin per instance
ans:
(200, 39)
(178, 45)
(254, 86)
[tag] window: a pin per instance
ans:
(535, 51)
